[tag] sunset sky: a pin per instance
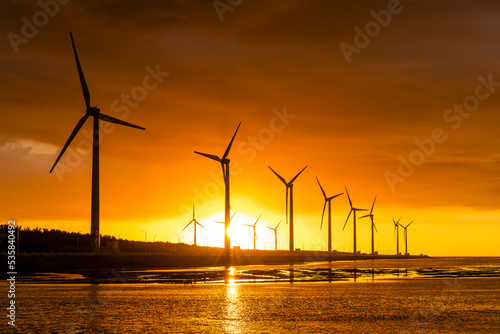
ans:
(406, 108)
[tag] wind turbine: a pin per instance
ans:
(353, 209)
(289, 188)
(406, 236)
(224, 161)
(396, 231)
(195, 222)
(329, 201)
(254, 232)
(373, 225)
(275, 235)
(96, 113)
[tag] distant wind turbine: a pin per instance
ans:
(275, 235)
(406, 236)
(373, 225)
(224, 161)
(254, 232)
(329, 201)
(96, 113)
(195, 222)
(353, 210)
(396, 231)
(289, 189)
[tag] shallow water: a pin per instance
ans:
(386, 303)
(401, 306)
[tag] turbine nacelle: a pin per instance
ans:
(93, 111)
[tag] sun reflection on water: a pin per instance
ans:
(232, 305)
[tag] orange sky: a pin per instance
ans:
(350, 119)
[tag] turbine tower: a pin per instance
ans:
(224, 161)
(373, 225)
(97, 115)
(353, 210)
(254, 232)
(195, 223)
(289, 189)
(406, 236)
(329, 201)
(396, 231)
(275, 235)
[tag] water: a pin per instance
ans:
(386, 303)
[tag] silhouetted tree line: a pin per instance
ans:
(44, 240)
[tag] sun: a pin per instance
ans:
(240, 235)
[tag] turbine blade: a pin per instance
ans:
(232, 216)
(278, 224)
(409, 224)
(200, 224)
(73, 134)
(375, 227)
(322, 215)
(282, 179)
(270, 228)
(364, 216)
(257, 220)
(296, 176)
(330, 198)
(347, 220)
(193, 209)
(210, 156)
(110, 119)
(231, 142)
(350, 203)
(188, 225)
(324, 195)
(248, 225)
(85, 89)
(373, 204)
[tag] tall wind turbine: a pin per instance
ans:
(406, 236)
(373, 225)
(254, 232)
(96, 113)
(329, 201)
(224, 161)
(396, 231)
(289, 189)
(195, 223)
(275, 235)
(353, 210)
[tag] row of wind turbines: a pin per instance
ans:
(223, 160)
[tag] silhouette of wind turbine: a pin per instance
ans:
(396, 232)
(353, 210)
(254, 232)
(289, 188)
(275, 235)
(195, 222)
(406, 236)
(329, 201)
(224, 161)
(373, 225)
(96, 113)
